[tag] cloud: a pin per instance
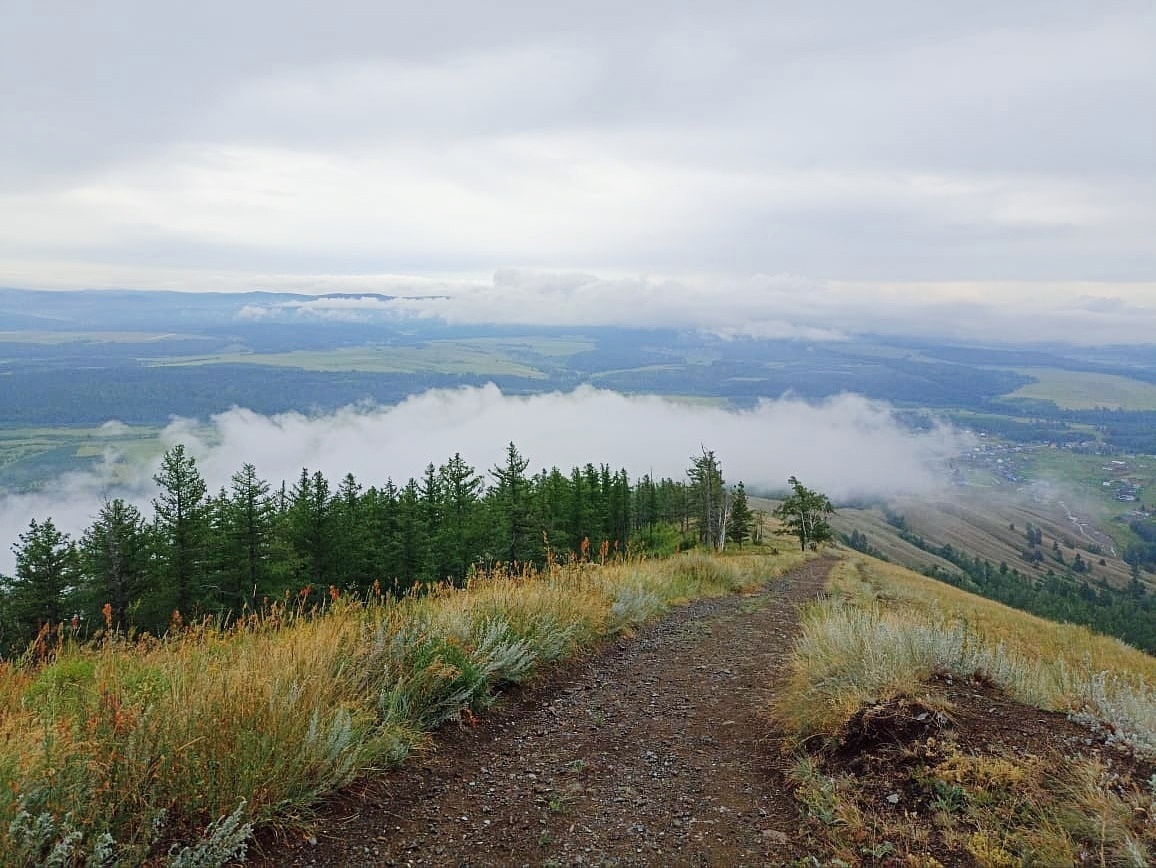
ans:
(846, 446)
(73, 500)
(332, 309)
(796, 308)
(895, 142)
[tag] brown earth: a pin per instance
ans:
(886, 748)
(657, 750)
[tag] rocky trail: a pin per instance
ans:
(654, 750)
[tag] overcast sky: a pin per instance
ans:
(913, 161)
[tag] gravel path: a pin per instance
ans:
(656, 750)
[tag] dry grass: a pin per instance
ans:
(887, 629)
(172, 749)
(878, 638)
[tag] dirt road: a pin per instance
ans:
(654, 751)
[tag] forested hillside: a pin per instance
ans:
(192, 554)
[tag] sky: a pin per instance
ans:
(830, 166)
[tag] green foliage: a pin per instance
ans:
(711, 500)
(114, 554)
(244, 521)
(43, 593)
(182, 527)
(740, 519)
(224, 841)
(514, 514)
(236, 553)
(804, 515)
(861, 543)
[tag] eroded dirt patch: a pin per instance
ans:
(654, 751)
(961, 774)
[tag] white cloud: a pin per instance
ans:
(847, 446)
(792, 307)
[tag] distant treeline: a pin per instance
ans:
(142, 395)
(1067, 597)
(1143, 553)
(1130, 431)
(250, 544)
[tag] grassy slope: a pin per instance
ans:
(877, 641)
(1048, 664)
(130, 748)
(982, 527)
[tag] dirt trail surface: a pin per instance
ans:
(654, 751)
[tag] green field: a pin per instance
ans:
(1078, 390)
(30, 456)
(435, 357)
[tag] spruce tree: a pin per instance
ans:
(114, 554)
(461, 489)
(182, 527)
(513, 510)
(43, 592)
(245, 518)
(741, 519)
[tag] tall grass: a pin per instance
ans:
(173, 749)
(889, 629)
(880, 636)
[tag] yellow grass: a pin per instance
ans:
(887, 629)
(135, 749)
(898, 589)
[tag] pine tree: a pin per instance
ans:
(742, 520)
(433, 563)
(461, 489)
(384, 536)
(710, 498)
(513, 510)
(245, 520)
(351, 564)
(42, 594)
(182, 526)
(804, 515)
(310, 527)
(411, 536)
(114, 553)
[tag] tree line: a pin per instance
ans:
(220, 555)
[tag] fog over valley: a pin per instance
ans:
(846, 445)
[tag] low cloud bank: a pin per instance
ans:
(846, 446)
(780, 306)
